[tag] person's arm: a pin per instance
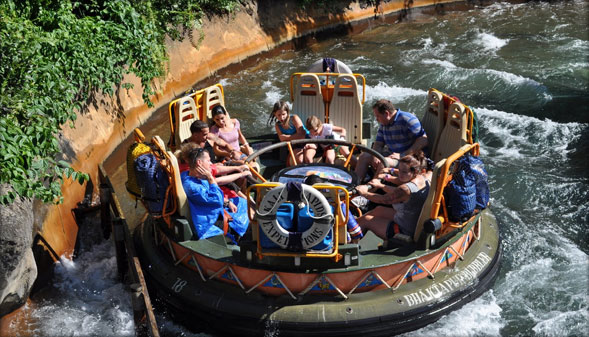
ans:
(301, 134)
(282, 136)
(419, 144)
(340, 130)
(394, 195)
(378, 146)
(223, 170)
(241, 137)
(226, 179)
(200, 195)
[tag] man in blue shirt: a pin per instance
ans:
(400, 131)
(206, 199)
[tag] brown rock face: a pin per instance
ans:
(18, 270)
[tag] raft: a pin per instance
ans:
(265, 286)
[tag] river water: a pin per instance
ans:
(524, 68)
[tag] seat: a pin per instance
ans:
(308, 100)
(454, 133)
(345, 109)
(429, 201)
(183, 207)
(213, 96)
(433, 119)
(186, 113)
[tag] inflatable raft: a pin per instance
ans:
(314, 282)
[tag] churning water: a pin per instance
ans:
(524, 68)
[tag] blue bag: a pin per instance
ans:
(461, 193)
(152, 181)
(477, 169)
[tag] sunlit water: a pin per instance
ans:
(525, 70)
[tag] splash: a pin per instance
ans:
(392, 93)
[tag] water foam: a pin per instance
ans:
(444, 64)
(393, 93)
(481, 317)
(88, 300)
(225, 82)
(529, 137)
(490, 42)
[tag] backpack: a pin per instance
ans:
(468, 190)
(134, 151)
(146, 178)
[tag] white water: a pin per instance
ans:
(529, 142)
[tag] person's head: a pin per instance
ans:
(384, 111)
(199, 130)
(280, 113)
(199, 157)
(220, 116)
(314, 125)
(411, 165)
(312, 179)
(185, 150)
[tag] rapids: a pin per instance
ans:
(524, 69)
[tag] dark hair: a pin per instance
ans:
(383, 105)
(312, 179)
(197, 126)
(280, 105)
(218, 110)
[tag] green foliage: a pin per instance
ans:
(54, 54)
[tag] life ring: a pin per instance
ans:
(341, 67)
(322, 218)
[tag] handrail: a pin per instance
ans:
(272, 147)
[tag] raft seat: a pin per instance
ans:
(213, 96)
(454, 133)
(308, 100)
(183, 225)
(433, 119)
(429, 201)
(345, 109)
(187, 113)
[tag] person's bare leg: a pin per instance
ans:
(309, 153)
(330, 156)
(377, 221)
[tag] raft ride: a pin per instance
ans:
(311, 280)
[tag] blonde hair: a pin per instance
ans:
(185, 149)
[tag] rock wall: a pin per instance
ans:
(254, 28)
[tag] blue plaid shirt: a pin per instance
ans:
(400, 133)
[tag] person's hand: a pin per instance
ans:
(247, 173)
(243, 168)
(362, 189)
(204, 172)
(395, 155)
(375, 183)
(232, 207)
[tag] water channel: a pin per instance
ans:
(524, 68)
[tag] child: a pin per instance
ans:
(288, 127)
(319, 130)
